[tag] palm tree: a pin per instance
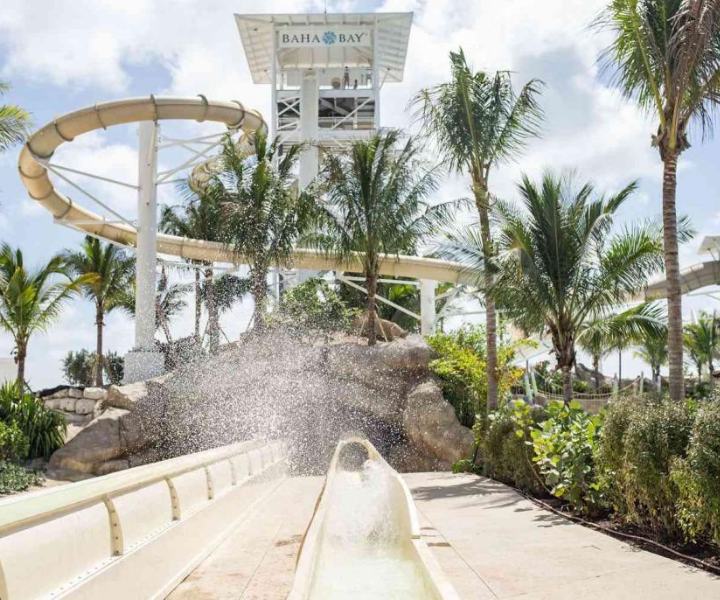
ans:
(169, 302)
(653, 349)
(14, 122)
(601, 334)
(263, 212)
(199, 218)
(479, 122)
(560, 263)
(702, 340)
(31, 301)
(111, 272)
(666, 57)
(376, 204)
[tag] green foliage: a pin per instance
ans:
(15, 478)
(78, 367)
(462, 369)
(698, 476)
(13, 443)
(43, 428)
(639, 445)
(311, 307)
(504, 449)
(466, 465)
(563, 445)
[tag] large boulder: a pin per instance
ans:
(431, 425)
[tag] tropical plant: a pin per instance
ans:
(200, 217)
(109, 273)
(460, 365)
(312, 307)
(376, 204)
(263, 212)
(603, 333)
(16, 478)
(560, 263)
(564, 444)
(702, 341)
(666, 56)
(78, 367)
(31, 301)
(43, 428)
(13, 442)
(653, 350)
(479, 122)
(15, 122)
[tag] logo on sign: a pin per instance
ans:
(299, 37)
(329, 37)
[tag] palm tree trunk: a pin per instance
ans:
(620, 367)
(98, 367)
(567, 383)
(213, 325)
(372, 278)
(596, 368)
(481, 202)
(198, 304)
(20, 358)
(258, 285)
(672, 274)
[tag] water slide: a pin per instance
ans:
(364, 539)
(40, 147)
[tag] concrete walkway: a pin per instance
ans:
(491, 542)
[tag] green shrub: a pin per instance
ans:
(698, 477)
(14, 478)
(563, 445)
(313, 307)
(465, 465)
(505, 451)
(656, 434)
(43, 428)
(78, 367)
(460, 365)
(13, 443)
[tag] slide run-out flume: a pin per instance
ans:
(364, 539)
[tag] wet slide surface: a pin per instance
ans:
(490, 541)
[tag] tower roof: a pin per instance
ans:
(325, 40)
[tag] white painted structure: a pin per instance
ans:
(135, 533)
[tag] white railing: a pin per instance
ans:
(135, 533)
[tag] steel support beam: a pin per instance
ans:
(427, 306)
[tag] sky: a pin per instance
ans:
(61, 55)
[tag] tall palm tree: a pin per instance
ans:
(15, 122)
(200, 218)
(653, 349)
(601, 334)
(169, 302)
(666, 57)
(479, 122)
(263, 212)
(111, 272)
(31, 301)
(702, 340)
(560, 263)
(376, 203)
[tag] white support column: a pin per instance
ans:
(273, 87)
(427, 306)
(144, 361)
(309, 98)
(376, 74)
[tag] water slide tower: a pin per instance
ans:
(325, 73)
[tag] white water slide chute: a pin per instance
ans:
(35, 165)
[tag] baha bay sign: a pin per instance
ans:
(308, 37)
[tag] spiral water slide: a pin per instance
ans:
(39, 149)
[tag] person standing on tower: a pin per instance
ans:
(346, 78)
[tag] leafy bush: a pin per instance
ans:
(698, 477)
(461, 367)
(505, 450)
(78, 367)
(563, 445)
(465, 465)
(13, 443)
(648, 437)
(312, 307)
(43, 428)
(14, 478)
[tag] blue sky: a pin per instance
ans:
(62, 55)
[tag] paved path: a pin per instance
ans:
(491, 542)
